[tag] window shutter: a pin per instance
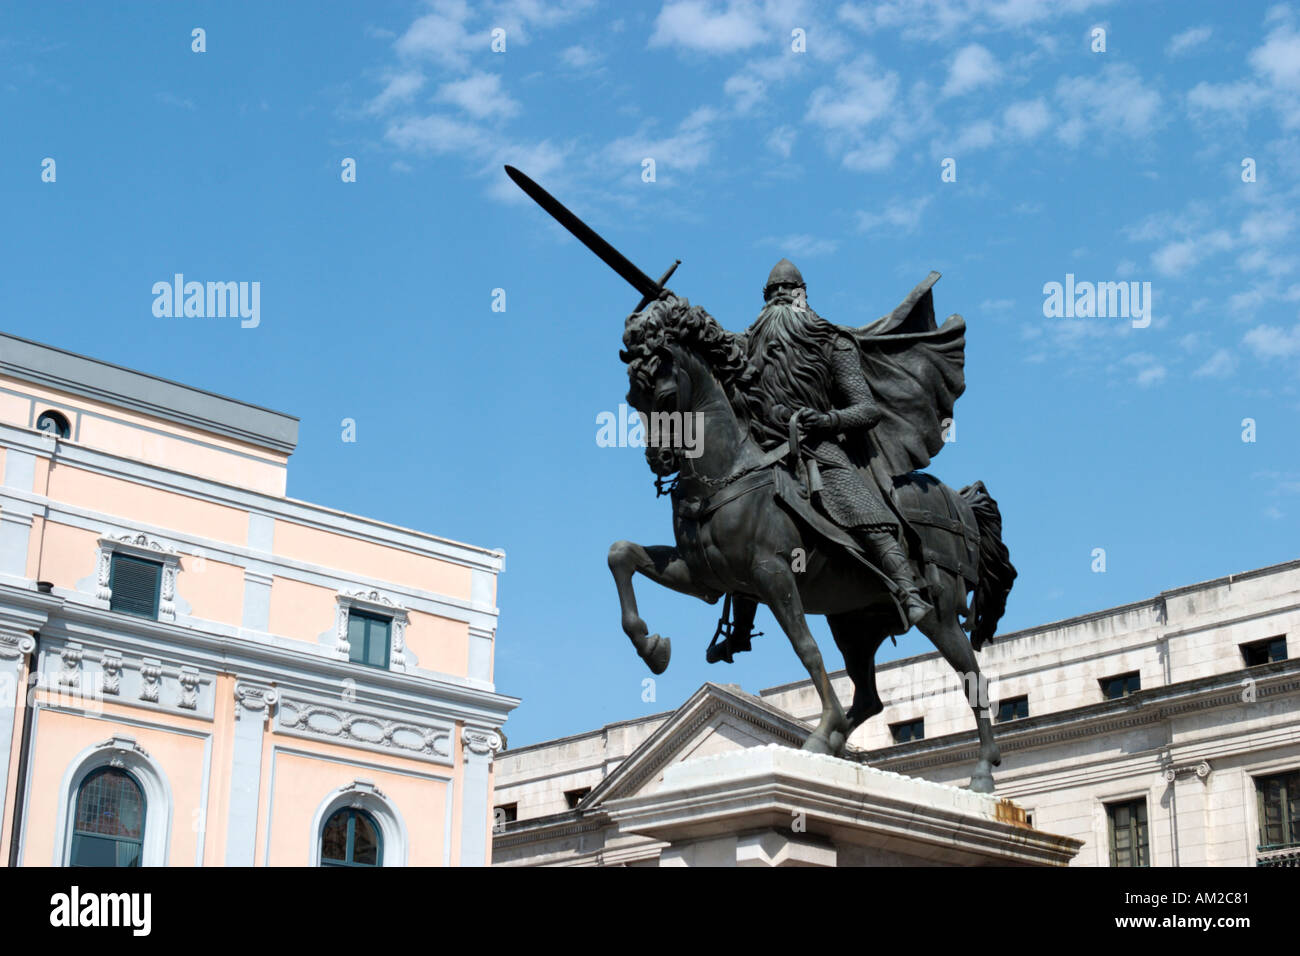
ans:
(135, 584)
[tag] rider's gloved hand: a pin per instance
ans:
(814, 422)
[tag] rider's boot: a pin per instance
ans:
(737, 640)
(894, 563)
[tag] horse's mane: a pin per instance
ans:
(674, 321)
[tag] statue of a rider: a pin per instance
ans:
(807, 367)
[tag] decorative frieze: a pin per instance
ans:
(70, 672)
(189, 688)
(110, 662)
(428, 740)
(150, 679)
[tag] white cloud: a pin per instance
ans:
(480, 95)
(801, 245)
(686, 149)
(400, 88)
(1219, 365)
(1114, 100)
(1278, 60)
(977, 135)
(899, 216)
(1239, 97)
(437, 134)
(1151, 375)
(579, 57)
(872, 157)
(936, 20)
(706, 27)
(1273, 342)
(860, 96)
(745, 90)
(972, 67)
(781, 141)
(1268, 226)
(1276, 65)
(1175, 258)
(1027, 119)
(441, 35)
(1188, 40)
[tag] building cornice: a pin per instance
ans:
(304, 672)
(160, 398)
(1140, 709)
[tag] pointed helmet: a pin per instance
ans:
(783, 273)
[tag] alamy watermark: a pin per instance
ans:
(211, 300)
(1102, 300)
(628, 428)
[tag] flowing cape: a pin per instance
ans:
(916, 372)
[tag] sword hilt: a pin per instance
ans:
(645, 299)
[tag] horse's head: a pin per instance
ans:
(660, 383)
(682, 364)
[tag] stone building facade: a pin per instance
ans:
(1164, 732)
(198, 670)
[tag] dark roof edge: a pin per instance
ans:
(92, 378)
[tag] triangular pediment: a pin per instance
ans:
(716, 719)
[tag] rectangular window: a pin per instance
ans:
(135, 585)
(574, 797)
(368, 639)
(1128, 833)
(1121, 685)
(1014, 708)
(1279, 810)
(505, 813)
(908, 730)
(1267, 651)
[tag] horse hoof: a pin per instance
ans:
(658, 651)
(817, 744)
(981, 780)
(832, 744)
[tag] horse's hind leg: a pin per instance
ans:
(951, 641)
(858, 644)
(663, 565)
(775, 582)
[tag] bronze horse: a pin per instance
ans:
(740, 530)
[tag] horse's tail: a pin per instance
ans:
(996, 573)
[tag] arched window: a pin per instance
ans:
(351, 837)
(108, 829)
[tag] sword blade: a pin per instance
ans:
(586, 235)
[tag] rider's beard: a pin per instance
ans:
(789, 347)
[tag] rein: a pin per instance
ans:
(768, 459)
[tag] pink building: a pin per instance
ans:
(196, 669)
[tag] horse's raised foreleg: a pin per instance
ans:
(663, 565)
(775, 583)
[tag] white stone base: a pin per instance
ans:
(776, 806)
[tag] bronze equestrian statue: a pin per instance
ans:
(804, 491)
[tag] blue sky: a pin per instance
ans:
(376, 303)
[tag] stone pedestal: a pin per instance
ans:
(775, 806)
